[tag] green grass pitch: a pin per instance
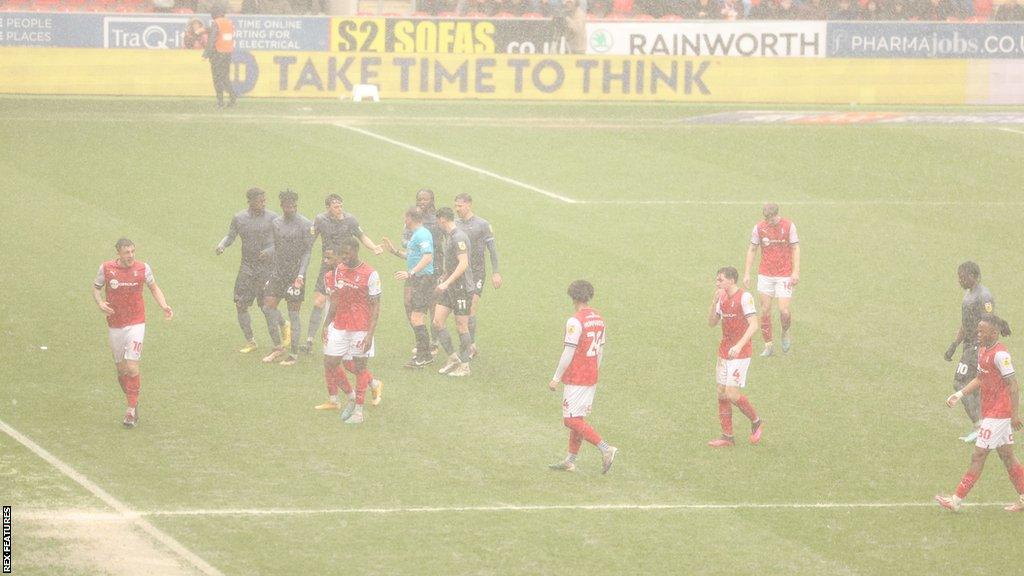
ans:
(448, 476)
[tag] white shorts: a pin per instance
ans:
(577, 400)
(994, 432)
(345, 343)
(126, 342)
(775, 286)
(732, 372)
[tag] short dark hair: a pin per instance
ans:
(993, 320)
(729, 272)
(414, 214)
(331, 198)
(581, 291)
(122, 243)
(446, 213)
(463, 197)
(969, 268)
(349, 242)
(426, 191)
(217, 10)
(254, 193)
(288, 195)
(770, 209)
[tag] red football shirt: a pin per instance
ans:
(776, 244)
(352, 290)
(734, 311)
(124, 291)
(585, 331)
(994, 365)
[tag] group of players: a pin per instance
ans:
(444, 275)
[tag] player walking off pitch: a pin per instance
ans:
(578, 371)
(1000, 413)
(734, 307)
(977, 302)
(122, 279)
(778, 273)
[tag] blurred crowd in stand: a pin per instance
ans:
(572, 13)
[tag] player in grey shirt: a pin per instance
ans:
(292, 244)
(255, 227)
(333, 226)
(454, 294)
(977, 301)
(481, 238)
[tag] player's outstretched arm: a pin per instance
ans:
(969, 389)
(229, 239)
(369, 243)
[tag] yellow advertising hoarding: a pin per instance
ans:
(494, 76)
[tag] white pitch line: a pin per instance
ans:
(1012, 130)
(122, 509)
(105, 517)
(459, 164)
(568, 200)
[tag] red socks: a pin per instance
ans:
(766, 328)
(362, 383)
(725, 416)
(744, 405)
(335, 378)
(966, 483)
(575, 441)
(121, 381)
(579, 426)
(131, 385)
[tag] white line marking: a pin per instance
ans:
(123, 510)
(106, 517)
(568, 200)
(459, 164)
(980, 204)
(1012, 130)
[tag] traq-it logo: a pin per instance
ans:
(146, 33)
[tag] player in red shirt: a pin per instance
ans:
(1000, 413)
(355, 289)
(123, 278)
(734, 307)
(578, 370)
(778, 273)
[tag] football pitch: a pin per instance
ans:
(231, 471)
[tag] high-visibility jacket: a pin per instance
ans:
(225, 41)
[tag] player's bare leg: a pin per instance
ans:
(128, 376)
(974, 470)
(766, 324)
(785, 319)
